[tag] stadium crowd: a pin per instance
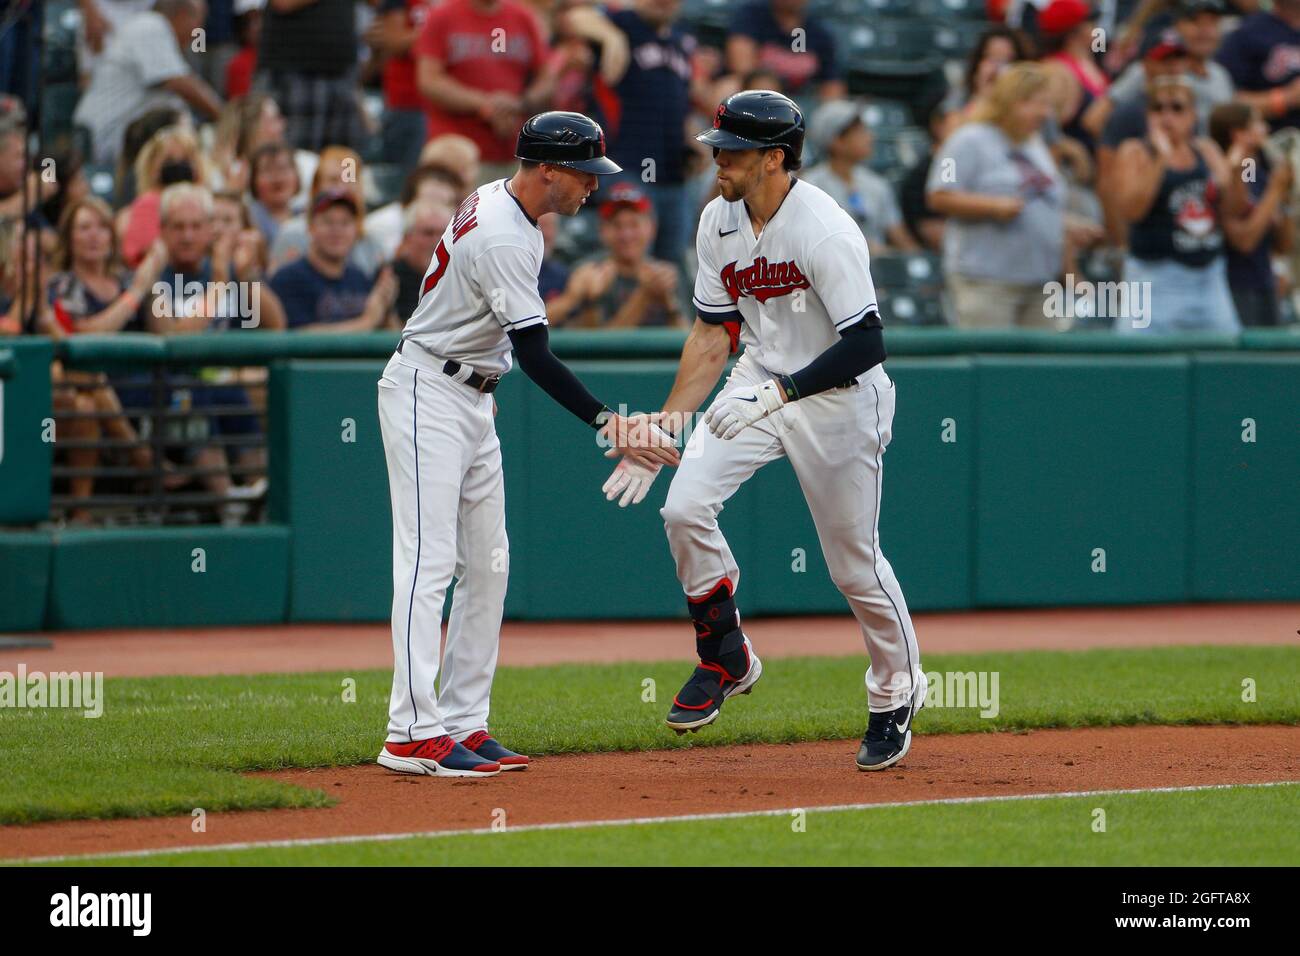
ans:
(315, 150)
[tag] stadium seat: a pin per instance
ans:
(909, 308)
(908, 272)
(972, 10)
(577, 238)
(956, 38)
(101, 181)
(886, 116)
(62, 20)
(899, 149)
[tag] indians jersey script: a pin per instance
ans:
(796, 287)
(481, 283)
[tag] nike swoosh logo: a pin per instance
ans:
(723, 235)
(902, 728)
(744, 399)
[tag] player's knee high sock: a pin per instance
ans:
(718, 638)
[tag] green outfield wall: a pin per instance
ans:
(1026, 469)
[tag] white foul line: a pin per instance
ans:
(634, 821)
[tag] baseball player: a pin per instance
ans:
(784, 271)
(478, 302)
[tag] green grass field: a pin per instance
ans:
(1227, 827)
(166, 745)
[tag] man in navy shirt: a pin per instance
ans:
(763, 37)
(644, 113)
(322, 291)
(1263, 56)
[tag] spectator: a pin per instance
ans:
(92, 294)
(844, 140)
(1263, 57)
(471, 86)
(625, 288)
(459, 154)
(387, 224)
(553, 278)
(762, 37)
(245, 124)
(186, 298)
(23, 310)
(273, 183)
(1163, 54)
(172, 156)
(13, 171)
(70, 186)
(322, 291)
(1176, 193)
(392, 37)
(995, 180)
(144, 68)
(239, 254)
(308, 63)
(99, 19)
(248, 32)
(1196, 25)
(996, 49)
(1067, 28)
(137, 135)
(645, 108)
(586, 47)
(340, 168)
(1239, 131)
(425, 220)
(917, 215)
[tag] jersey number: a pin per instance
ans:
(443, 257)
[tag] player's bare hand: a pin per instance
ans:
(742, 408)
(1010, 208)
(631, 480)
(639, 438)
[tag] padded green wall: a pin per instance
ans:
(25, 459)
(1076, 454)
(136, 578)
(24, 579)
(1246, 495)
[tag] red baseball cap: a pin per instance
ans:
(327, 198)
(1062, 16)
(624, 196)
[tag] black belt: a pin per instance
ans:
(487, 384)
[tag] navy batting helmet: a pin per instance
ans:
(757, 119)
(566, 139)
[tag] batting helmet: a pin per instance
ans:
(757, 119)
(566, 139)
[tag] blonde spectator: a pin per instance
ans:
(172, 155)
(995, 180)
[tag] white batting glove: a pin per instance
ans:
(729, 417)
(631, 478)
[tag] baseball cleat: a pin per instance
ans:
(698, 702)
(437, 757)
(481, 743)
(889, 733)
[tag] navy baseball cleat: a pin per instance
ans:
(698, 702)
(889, 733)
(437, 757)
(481, 743)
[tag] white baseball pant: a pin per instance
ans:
(448, 500)
(834, 441)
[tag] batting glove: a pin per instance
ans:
(729, 417)
(631, 478)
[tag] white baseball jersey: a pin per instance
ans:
(481, 282)
(796, 286)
